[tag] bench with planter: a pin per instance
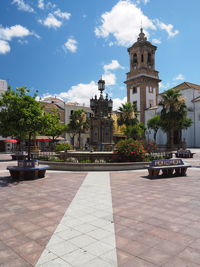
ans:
(27, 169)
(184, 154)
(167, 167)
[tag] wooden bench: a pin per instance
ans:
(169, 168)
(184, 154)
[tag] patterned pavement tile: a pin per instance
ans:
(30, 212)
(156, 221)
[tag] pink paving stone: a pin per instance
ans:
(190, 254)
(17, 263)
(165, 212)
(28, 230)
(177, 262)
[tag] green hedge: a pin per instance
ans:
(62, 147)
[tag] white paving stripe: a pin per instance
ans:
(85, 237)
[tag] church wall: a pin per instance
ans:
(135, 97)
(197, 124)
(149, 114)
(192, 133)
(189, 134)
(189, 95)
(150, 96)
(161, 137)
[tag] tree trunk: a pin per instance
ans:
(29, 146)
(154, 136)
(79, 140)
(171, 140)
(52, 146)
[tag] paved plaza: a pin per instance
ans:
(100, 219)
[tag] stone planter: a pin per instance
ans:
(120, 166)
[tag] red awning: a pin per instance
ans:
(11, 141)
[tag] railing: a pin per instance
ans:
(91, 157)
(45, 155)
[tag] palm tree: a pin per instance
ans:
(128, 117)
(174, 113)
(127, 114)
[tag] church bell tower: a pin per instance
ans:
(142, 79)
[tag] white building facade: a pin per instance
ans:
(70, 107)
(191, 93)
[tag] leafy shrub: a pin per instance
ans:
(62, 147)
(150, 146)
(85, 161)
(100, 161)
(129, 150)
(74, 160)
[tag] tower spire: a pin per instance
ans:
(142, 37)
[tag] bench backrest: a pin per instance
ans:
(184, 151)
(166, 162)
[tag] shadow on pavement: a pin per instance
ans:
(7, 181)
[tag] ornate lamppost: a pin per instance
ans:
(101, 128)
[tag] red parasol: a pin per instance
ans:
(11, 141)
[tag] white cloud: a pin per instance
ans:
(117, 102)
(14, 31)
(21, 5)
(51, 21)
(71, 45)
(50, 5)
(22, 42)
(123, 22)
(110, 78)
(164, 86)
(142, 1)
(63, 15)
(80, 93)
(179, 77)
(169, 28)
(112, 66)
(156, 41)
(41, 4)
(4, 47)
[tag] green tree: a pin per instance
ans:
(52, 126)
(173, 114)
(79, 123)
(21, 115)
(154, 123)
(128, 117)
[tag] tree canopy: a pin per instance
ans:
(21, 115)
(174, 113)
(78, 124)
(154, 123)
(128, 117)
(53, 127)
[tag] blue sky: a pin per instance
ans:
(62, 47)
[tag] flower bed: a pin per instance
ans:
(129, 150)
